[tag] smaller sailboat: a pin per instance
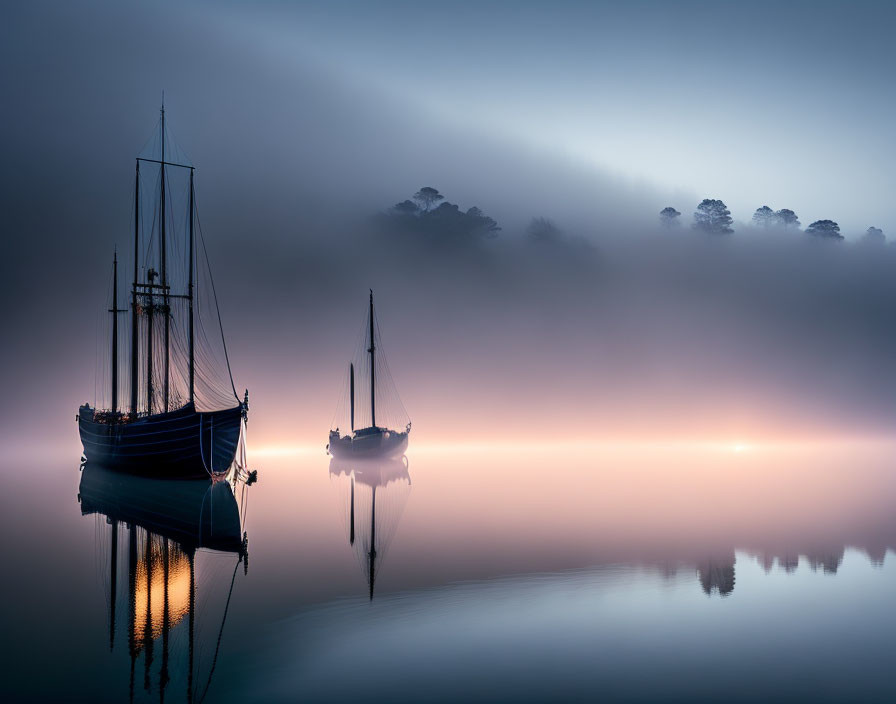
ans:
(376, 440)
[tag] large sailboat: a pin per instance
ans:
(166, 429)
(373, 440)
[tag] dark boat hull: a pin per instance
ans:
(182, 443)
(369, 446)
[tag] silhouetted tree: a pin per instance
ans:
(713, 216)
(786, 218)
(764, 217)
(669, 217)
(480, 223)
(446, 222)
(826, 229)
(874, 235)
(406, 207)
(427, 197)
(450, 219)
(543, 230)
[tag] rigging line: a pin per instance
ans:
(151, 138)
(215, 297)
(144, 211)
(202, 457)
(221, 632)
(357, 356)
(106, 336)
(171, 195)
(394, 387)
(155, 212)
(244, 506)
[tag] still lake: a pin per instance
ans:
(636, 572)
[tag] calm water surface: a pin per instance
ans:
(678, 573)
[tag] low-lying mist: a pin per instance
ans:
(582, 335)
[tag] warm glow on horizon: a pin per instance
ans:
(597, 445)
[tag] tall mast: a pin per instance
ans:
(164, 268)
(114, 312)
(190, 294)
(134, 351)
(351, 392)
(150, 312)
(372, 351)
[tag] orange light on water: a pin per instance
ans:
(149, 594)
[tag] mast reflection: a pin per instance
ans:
(374, 493)
(166, 523)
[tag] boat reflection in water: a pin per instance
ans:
(374, 494)
(167, 525)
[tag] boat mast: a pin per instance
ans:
(190, 293)
(150, 312)
(114, 311)
(351, 385)
(163, 279)
(372, 351)
(134, 351)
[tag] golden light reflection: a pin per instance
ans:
(149, 593)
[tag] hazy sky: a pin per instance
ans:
(788, 103)
(302, 116)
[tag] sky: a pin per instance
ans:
(304, 119)
(782, 103)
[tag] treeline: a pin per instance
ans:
(428, 213)
(713, 217)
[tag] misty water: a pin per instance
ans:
(638, 571)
